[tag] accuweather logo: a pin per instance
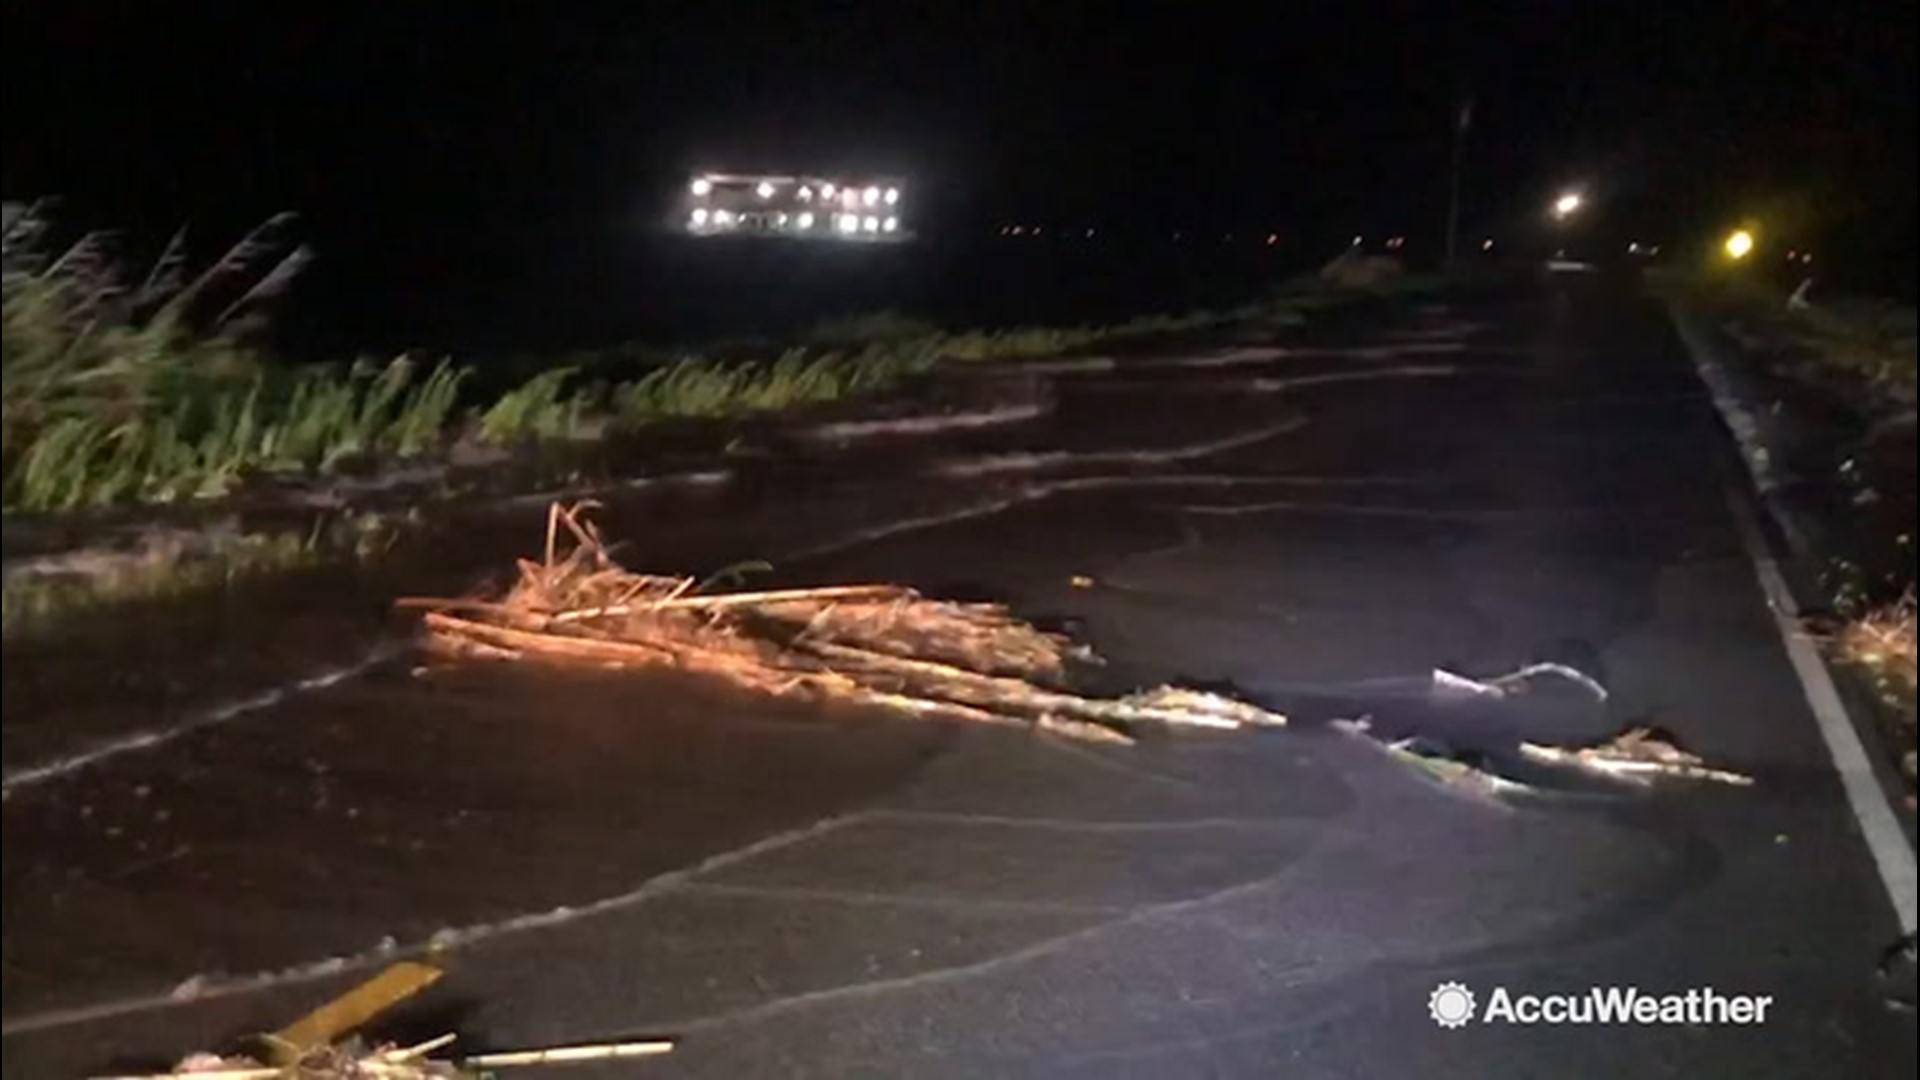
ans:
(1452, 1005)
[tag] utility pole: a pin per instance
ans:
(1462, 123)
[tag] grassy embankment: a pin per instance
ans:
(124, 390)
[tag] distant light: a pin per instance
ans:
(1358, 240)
(1487, 244)
(893, 195)
(699, 216)
(871, 196)
(805, 193)
(1739, 244)
(722, 218)
(850, 198)
(764, 190)
(870, 223)
(702, 186)
(1807, 258)
(1567, 205)
(805, 220)
(1089, 234)
(892, 224)
(826, 191)
(1272, 239)
(1015, 230)
(782, 219)
(847, 223)
(1633, 248)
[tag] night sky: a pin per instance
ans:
(424, 132)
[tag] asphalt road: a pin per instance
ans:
(1470, 485)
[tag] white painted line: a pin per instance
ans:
(1886, 840)
(1878, 825)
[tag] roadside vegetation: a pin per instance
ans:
(148, 388)
(1867, 339)
(1880, 644)
(1859, 353)
(128, 387)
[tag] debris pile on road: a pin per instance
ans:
(320, 1046)
(1638, 755)
(881, 644)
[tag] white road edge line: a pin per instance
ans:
(1878, 826)
(1885, 838)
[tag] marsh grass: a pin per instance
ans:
(124, 388)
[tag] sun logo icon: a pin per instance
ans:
(1450, 1005)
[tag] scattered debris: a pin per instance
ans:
(320, 1046)
(1515, 682)
(879, 644)
(1636, 755)
(1437, 762)
(319, 1028)
(1881, 643)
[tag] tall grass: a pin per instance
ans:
(149, 389)
(538, 410)
(123, 388)
(703, 388)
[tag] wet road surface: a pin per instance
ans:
(808, 892)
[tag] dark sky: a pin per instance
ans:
(412, 122)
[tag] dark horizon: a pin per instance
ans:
(452, 143)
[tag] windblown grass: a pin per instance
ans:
(119, 389)
(538, 410)
(202, 443)
(150, 388)
(703, 388)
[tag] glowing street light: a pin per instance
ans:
(1739, 244)
(1568, 205)
(765, 190)
(702, 186)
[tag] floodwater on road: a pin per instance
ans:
(795, 887)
